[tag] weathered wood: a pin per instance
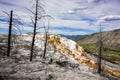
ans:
(34, 32)
(10, 33)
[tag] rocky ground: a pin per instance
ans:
(45, 70)
(106, 63)
(54, 67)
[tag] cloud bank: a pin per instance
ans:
(72, 17)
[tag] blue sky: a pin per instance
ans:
(71, 17)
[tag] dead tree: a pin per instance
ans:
(10, 32)
(37, 16)
(34, 31)
(46, 24)
(100, 51)
(13, 23)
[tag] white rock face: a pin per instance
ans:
(64, 46)
(56, 66)
(68, 43)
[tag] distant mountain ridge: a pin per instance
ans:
(73, 37)
(111, 39)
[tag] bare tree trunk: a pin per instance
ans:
(100, 51)
(45, 45)
(9, 34)
(46, 28)
(34, 32)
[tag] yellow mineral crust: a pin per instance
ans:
(112, 72)
(79, 55)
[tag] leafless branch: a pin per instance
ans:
(6, 13)
(29, 10)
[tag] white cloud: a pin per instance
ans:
(108, 18)
(111, 18)
(3, 25)
(91, 0)
(24, 16)
(73, 24)
(65, 32)
(69, 13)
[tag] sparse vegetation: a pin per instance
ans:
(54, 64)
(107, 54)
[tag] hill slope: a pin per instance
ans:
(111, 45)
(73, 37)
(63, 59)
(111, 39)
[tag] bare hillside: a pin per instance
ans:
(111, 39)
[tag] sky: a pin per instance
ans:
(71, 17)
